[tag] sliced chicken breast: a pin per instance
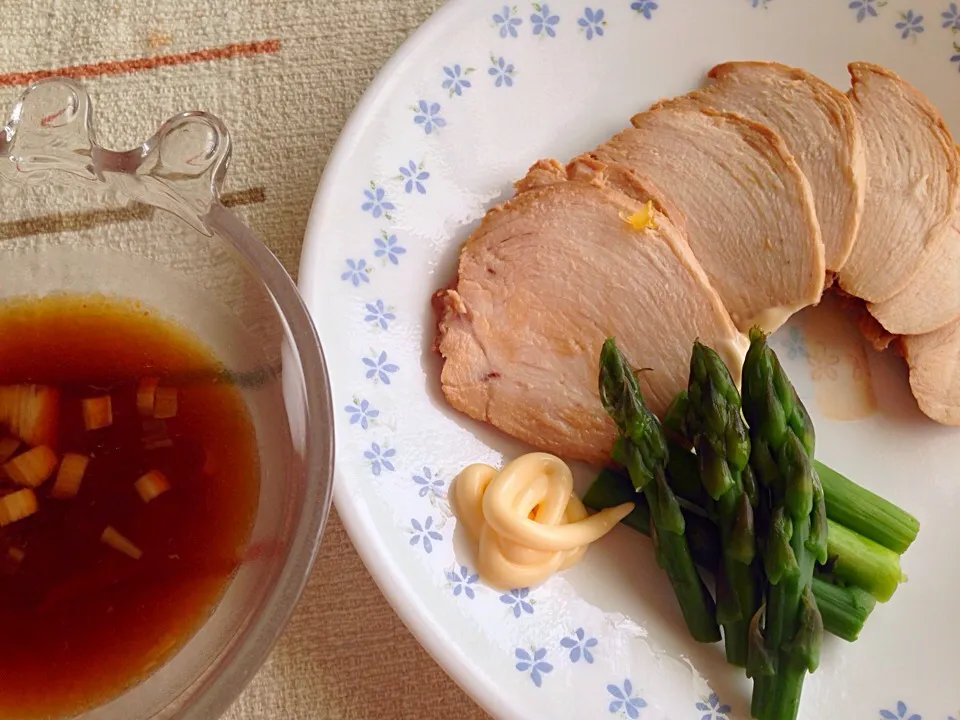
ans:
(543, 281)
(912, 192)
(934, 360)
(819, 127)
(747, 209)
(932, 297)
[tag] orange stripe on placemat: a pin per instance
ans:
(63, 222)
(250, 196)
(119, 67)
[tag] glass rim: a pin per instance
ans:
(57, 113)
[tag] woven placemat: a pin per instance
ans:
(283, 75)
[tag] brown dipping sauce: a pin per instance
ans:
(79, 621)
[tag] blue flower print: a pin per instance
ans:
(424, 533)
(592, 22)
(357, 272)
(517, 599)
(911, 24)
(380, 458)
(361, 412)
(900, 714)
(455, 79)
(428, 483)
(646, 8)
(502, 71)
(378, 368)
(428, 115)
(414, 176)
(534, 662)
(543, 22)
(866, 8)
(375, 201)
(759, 3)
(956, 58)
(712, 709)
(793, 344)
(388, 247)
(625, 700)
(379, 314)
(579, 646)
(951, 17)
(508, 21)
(462, 580)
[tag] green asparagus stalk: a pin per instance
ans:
(783, 442)
(642, 449)
(852, 558)
(683, 468)
(719, 434)
(844, 609)
(856, 560)
(612, 488)
(848, 504)
(675, 421)
(860, 510)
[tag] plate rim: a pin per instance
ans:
(357, 513)
(390, 580)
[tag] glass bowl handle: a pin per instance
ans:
(180, 169)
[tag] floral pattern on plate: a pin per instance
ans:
(460, 101)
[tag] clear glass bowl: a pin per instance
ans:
(148, 224)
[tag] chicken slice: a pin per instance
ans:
(819, 127)
(747, 209)
(934, 360)
(912, 192)
(544, 279)
(932, 297)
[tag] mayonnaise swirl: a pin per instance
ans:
(526, 521)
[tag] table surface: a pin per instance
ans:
(284, 76)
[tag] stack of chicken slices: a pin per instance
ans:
(731, 207)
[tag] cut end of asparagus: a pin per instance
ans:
(865, 512)
(844, 610)
(859, 561)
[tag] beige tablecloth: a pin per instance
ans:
(283, 75)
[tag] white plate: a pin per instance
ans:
(478, 94)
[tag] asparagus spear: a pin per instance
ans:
(844, 609)
(719, 435)
(642, 449)
(612, 488)
(870, 515)
(852, 558)
(675, 420)
(856, 560)
(796, 529)
(848, 504)
(683, 469)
